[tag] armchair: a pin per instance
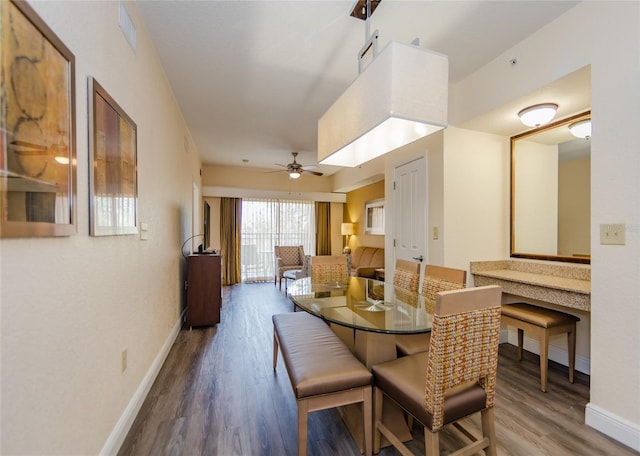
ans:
(287, 257)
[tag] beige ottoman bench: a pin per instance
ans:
(542, 323)
(322, 370)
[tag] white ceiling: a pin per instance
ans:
(253, 77)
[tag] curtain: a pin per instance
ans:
(269, 222)
(230, 223)
(323, 228)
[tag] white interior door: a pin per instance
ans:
(410, 213)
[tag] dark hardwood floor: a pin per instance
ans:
(217, 394)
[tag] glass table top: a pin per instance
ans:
(364, 304)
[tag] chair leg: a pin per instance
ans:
(377, 416)
(544, 360)
(303, 422)
(431, 442)
(489, 431)
(367, 420)
(571, 341)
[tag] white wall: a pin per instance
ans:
(71, 305)
(476, 197)
(605, 35)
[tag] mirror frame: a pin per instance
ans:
(526, 134)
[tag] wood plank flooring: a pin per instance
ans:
(217, 394)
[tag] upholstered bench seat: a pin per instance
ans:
(542, 323)
(322, 370)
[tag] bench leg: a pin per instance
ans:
(303, 422)
(571, 343)
(544, 359)
(520, 343)
(275, 350)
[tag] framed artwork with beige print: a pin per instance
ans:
(37, 126)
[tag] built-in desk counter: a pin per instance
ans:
(564, 285)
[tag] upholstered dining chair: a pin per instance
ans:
(328, 269)
(407, 275)
(288, 257)
(457, 377)
(436, 279)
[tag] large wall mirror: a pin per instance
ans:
(551, 193)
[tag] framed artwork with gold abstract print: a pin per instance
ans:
(37, 126)
(113, 171)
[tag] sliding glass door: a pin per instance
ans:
(269, 222)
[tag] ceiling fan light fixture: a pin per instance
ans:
(401, 96)
(539, 114)
(294, 174)
(581, 129)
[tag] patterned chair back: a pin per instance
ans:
(464, 346)
(329, 269)
(439, 278)
(407, 275)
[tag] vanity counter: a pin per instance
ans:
(568, 286)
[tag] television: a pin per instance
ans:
(206, 217)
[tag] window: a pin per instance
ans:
(269, 222)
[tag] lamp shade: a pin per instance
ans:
(400, 97)
(539, 114)
(581, 129)
(347, 229)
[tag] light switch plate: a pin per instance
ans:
(612, 234)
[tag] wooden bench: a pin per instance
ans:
(542, 323)
(322, 370)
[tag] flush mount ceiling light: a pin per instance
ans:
(581, 129)
(539, 114)
(399, 97)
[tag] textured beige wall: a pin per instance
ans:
(354, 212)
(71, 305)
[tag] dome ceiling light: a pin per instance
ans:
(581, 129)
(537, 115)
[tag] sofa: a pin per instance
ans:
(365, 261)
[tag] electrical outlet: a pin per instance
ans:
(612, 234)
(124, 360)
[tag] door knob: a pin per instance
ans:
(418, 258)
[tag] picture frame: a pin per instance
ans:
(37, 126)
(374, 217)
(113, 167)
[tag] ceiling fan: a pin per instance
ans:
(295, 169)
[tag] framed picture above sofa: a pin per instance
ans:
(374, 216)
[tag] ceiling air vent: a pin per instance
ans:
(127, 26)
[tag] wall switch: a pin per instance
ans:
(124, 360)
(612, 234)
(436, 234)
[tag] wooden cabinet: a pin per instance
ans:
(204, 290)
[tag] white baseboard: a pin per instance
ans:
(617, 428)
(557, 354)
(122, 427)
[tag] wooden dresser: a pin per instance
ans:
(204, 290)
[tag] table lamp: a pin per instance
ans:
(347, 229)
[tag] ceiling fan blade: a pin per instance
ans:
(277, 171)
(307, 168)
(284, 166)
(315, 173)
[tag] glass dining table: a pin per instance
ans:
(367, 314)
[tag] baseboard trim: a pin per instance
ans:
(617, 428)
(122, 427)
(557, 354)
